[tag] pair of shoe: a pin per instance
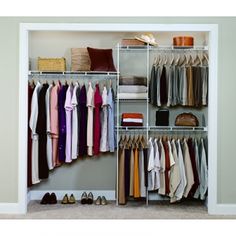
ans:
(68, 200)
(49, 199)
(86, 199)
(101, 201)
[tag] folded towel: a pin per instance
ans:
(132, 120)
(132, 115)
(131, 124)
(134, 80)
(132, 95)
(132, 89)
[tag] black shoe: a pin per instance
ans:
(53, 199)
(45, 199)
(90, 198)
(84, 198)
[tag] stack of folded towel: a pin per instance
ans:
(132, 119)
(132, 88)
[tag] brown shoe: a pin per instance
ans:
(84, 198)
(65, 200)
(72, 199)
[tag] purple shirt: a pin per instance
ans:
(69, 108)
(83, 122)
(62, 123)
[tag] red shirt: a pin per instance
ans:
(97, 121)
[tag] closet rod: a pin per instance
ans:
(73, 73)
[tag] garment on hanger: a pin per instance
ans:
(62, 123)
(49, 139)
(78, 117)
(31, 88)
(83, 122)
(41, 130)
(111, 120)
(97, 121)
(33, 124)
(55, 123)
(104, 147)
(68, 109)
(74, 138)
(90, 105)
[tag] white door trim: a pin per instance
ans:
(25, 28)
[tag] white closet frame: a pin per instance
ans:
(26, 28)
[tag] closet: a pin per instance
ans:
(102, 173)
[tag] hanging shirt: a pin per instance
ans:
(83, 122)
(163, 87)
(152, 91)
(162, 188)
(157, 165)
(204, 172)
(204, 76)
(136, 174)
(188, 169)
(78, 117)
(183, 180)
(97, 121)
(33, 124)
(104, 122)
(74, 103)
(29, 154)
(90, 105)
(141, 172)
(62, 123)
(131, 184)
(196, 151)
(174, 173)
(190, 89)
(41, 130)
(151, 166)
(69, 108)
(111, 120)
(49, 139)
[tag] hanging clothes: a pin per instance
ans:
(29, 154)
(55, 123)
(97, 121)
(90, 105)
(33, 124)
(104, 146)
(136, 185)
(111, 120)
(78, 117)
(62, 122)
(83, 122)
(162, 188)
(41, 129)
(74, 138)
(69, 108)
(49, 138)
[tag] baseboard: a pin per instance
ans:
(223, 209)
(10, 208)
(37, 195)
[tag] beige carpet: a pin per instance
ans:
(133, 210)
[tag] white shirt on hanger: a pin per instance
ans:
(162, 188)
(74, 103)
(183, 180)
(49, 138)
(157, 165)
(196, 151)
(104, 147)
(33, 124)
(151, 165)
(90, 105)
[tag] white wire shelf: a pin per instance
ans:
(161, 48)
(73, 73)
(163, 128)
(127, 100)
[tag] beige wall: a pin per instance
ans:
(9, 68)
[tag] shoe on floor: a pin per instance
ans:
(53, 199)
(65, 200)
(98, 200)
(90, 198)
(72, 199)
(104, 201)
(45, 199)
(84, 198)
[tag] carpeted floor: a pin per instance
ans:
(133, 210)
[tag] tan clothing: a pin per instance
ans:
(188, 169)
(131, 184)
(136, 174)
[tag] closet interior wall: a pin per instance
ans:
(99, 173)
